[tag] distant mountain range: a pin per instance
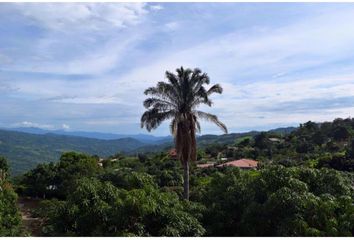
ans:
(97, 135)
(25, 148)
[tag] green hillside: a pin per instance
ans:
(210, 139)
(24, 151)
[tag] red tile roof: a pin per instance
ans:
(173, 152)
(241, 163)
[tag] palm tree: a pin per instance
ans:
(178, 100)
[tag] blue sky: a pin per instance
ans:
(85, 66)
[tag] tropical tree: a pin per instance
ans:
(4, 168)
(178, 100)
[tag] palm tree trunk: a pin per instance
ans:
(186, 180)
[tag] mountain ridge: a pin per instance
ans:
(88, 134)
(26, 150)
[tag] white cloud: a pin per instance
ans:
(79, 38)
(172, 26)
(255, 104)
(156, 7)
(89, 16)
(95, 61)
(34, 125)
(65, 126)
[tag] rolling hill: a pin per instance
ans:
(25, 150)
(98, 135)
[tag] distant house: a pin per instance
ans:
(172, 153)
(100, 162)
(223, 159)
(232, 148)
(205, 165)
(274, 139)
(241, 163)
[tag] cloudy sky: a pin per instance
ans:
(85, 66)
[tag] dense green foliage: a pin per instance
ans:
(10, 221)
(328, 144)
(56, 179)
(142, 197)
(4, 168)
(279, 201)
(303, 187)
(98, 208)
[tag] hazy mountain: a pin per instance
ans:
(26, 150)
(97, 135)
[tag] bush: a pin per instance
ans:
(98, 208)
(10, 219)
(55, 179)
(279, 201)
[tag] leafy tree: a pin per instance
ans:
(351, 150)
(200, 154)
(214, 149)
(55, 179)
(225, 199)
(178, 100)
(278, 201)
(98, 208)
(339, 161)
(261, 141)
(41, 181)
(304, 146)
(318, 138)
(310, 126)
(10, 220)
(244, 142)
(4, 168)
(340, 133)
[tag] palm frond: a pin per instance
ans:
(197, 124)
(152, 118)
(153, 102)
(215, 89)
(173, 127)
(212, 118)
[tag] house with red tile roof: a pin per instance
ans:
(241, 163)
(172, 153)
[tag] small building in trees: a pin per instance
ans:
(273, 139)
(241, 163)
(205, 165)
(172, 153)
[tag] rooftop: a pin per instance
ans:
(241, 163)
(205, 165)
